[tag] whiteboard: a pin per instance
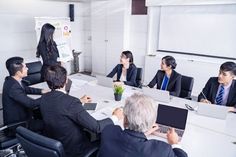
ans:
(62, 35)
(201, 30)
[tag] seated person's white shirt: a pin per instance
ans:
(123, 77)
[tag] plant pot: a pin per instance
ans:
(117, 97)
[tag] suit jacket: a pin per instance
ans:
(52, 60)
(47, 61)
(174, 85)
(118, 143)
(16, 104)
(65, 119)
(211, 88)
(130, 77)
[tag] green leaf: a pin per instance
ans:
(118, 90)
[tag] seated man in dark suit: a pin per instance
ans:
(167, 78)
(64, 116)
(139, 119)
(16, 103)
(221, 90)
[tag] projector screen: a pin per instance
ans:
(206, 30)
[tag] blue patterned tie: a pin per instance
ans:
(219, 98)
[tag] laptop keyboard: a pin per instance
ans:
(164, 129)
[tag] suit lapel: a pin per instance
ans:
(119, 71)
(214, 91)
(128, 72)
(171, 80)
(160, 79)
(231, 93)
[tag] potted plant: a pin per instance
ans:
(118, 91)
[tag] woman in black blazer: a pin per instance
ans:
(167, 78)
(47, 48)
(126, 71)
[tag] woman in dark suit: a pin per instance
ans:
(167, 78)
(126, 71)
(47, 48)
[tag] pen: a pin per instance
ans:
(204, 95)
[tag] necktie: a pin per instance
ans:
(219, 98)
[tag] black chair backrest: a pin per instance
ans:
(36, 145)
(34, 73)
(139, 77)
(186, 86)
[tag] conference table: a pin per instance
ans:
(203, 136)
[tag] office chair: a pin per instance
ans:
(9, 142)
(34, 73)
(186, 87)
(36, 145)
(139, 77)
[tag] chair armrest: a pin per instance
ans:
(91, 151)
(2, 128)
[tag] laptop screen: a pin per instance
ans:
(172, 116)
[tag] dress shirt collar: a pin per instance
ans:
(227, 86)
(61, 90)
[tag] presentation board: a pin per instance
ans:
(206, 30)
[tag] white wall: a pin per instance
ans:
(18, 37)
(138, 38)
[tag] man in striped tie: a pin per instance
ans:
(221, 90)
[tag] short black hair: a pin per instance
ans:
(55, 77)
(129, 55)
(14, 64)
(170, 61)
(229, 66)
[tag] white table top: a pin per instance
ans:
(203, 137)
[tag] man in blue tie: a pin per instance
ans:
(221, 90)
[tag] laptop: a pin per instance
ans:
(90, 106)
(212, 110)
(104, 81)
(169, 116)
(156, 94)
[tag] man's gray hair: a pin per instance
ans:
(141, 112)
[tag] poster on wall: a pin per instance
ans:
(62, 35)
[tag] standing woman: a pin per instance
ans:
(47, 48)
(126, 71)
(167, 78)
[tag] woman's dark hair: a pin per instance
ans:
(55, 77)
(170, 61)
(129, 55)
(229, 66)
(47, 37)
(14, 64)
